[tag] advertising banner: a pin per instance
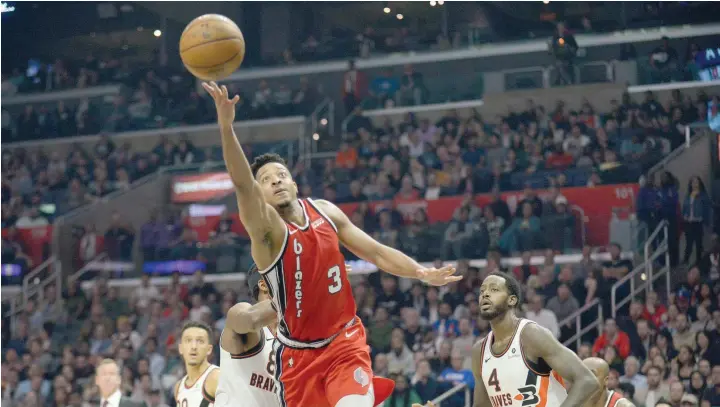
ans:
(594, 204)
(200, 188)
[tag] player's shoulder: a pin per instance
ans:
(536, 338)
(623, 402)
(478, 348)
(330, 210)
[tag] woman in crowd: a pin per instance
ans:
(697, 214)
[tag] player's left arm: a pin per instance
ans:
(210, 385)
(385, 258)
(541, 343)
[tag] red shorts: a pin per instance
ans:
(321, 377)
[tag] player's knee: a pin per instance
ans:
(358, 400)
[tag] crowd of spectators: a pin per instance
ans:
(658, 349)
(404, 161)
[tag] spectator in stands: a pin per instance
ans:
(461, 236)
(262, 101)
(119, 239)
(564, 48)
(612, 336)
(383, 89)
(400, 358)
(524, 233)
(456, 374)
(412, 87)
(697, 214)
(563, 305)
(543, 316)
(663, 62)
(403, 395)
(354, 87)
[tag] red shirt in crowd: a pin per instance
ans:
(655, 317)
(621, 343)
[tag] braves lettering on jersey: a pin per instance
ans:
(308, 283)
(613, 399)
(194, 396)
(247, 380)
(511, 380)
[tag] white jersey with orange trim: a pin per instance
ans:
(248, 379)
(511, 380)
(194, 395)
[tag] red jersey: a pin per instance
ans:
(309, 284)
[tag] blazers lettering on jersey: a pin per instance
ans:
(298, 249)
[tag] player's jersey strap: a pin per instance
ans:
(290, 343)
(613, 399)
(195, 395)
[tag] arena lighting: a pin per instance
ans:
(546, 1)
(6, 8)
(157, 33)
(316, 137)
(323, 121)
(433, 3)
(386, 10)
(399, 16)
(440, 2)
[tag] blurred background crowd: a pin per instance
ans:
(477, 134)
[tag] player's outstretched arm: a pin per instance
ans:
(540, 343)
(244, 318)
(261, 221)
(384, 257)
(480, 398)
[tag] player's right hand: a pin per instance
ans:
(437, 277)
(223, 104)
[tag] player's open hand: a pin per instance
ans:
(223, 104)
(438, 277)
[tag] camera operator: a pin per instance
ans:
(564, 48)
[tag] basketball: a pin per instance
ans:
(212, 47)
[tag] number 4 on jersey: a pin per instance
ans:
(493, 380)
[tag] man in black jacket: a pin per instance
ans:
(107, 379)
(564, 48)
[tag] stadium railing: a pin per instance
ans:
(460, 387)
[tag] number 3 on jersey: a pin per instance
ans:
(334, 275)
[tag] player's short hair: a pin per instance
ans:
(263, 159)
(200, 325)
(513, 286)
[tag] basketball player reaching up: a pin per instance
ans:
(197, 387)
(247, 367)
(321, 353)
(521, 363)
(604, 397)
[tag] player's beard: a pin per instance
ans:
(494, 312)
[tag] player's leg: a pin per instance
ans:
(299, 375)
(349, 371)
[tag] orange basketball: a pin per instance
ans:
(212, 47)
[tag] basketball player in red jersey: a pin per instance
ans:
(321, 352)
(604, 397)
(521, 363)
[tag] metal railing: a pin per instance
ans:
(39, 278)
(577, 318)
(460, 387)
(88, 266)
(645, 271)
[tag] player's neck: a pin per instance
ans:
(293, 213)
(194, 372)
(599, 399)
(504, 326)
